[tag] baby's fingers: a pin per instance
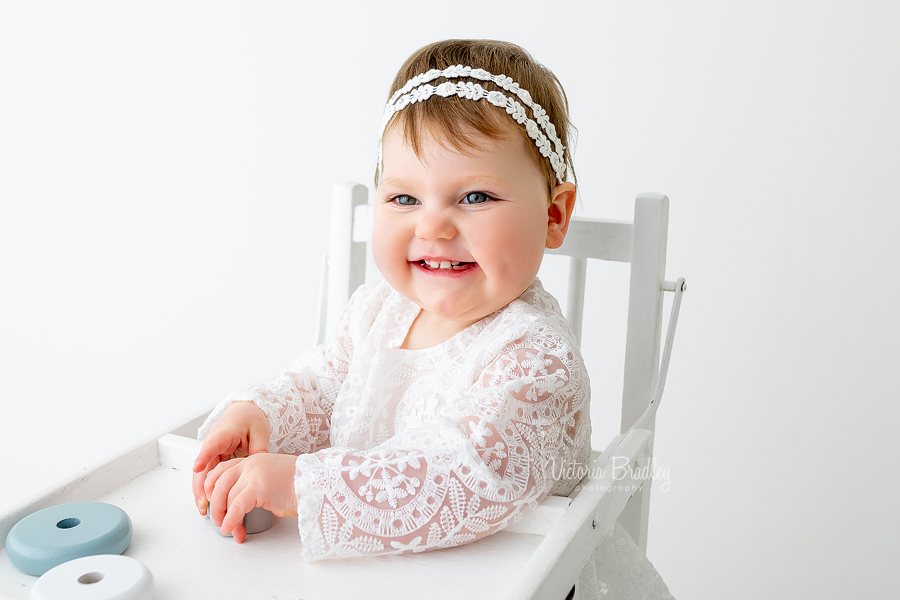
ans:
(239, 533)
(218, 485)
(233, 523)
(199, 481)
(214, 447)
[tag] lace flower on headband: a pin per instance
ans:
(540, 129)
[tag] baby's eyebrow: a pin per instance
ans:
(488, 179)
(399, 182)
(396, 182)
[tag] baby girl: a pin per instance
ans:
(451, 393)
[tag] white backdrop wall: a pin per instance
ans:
(164, 177)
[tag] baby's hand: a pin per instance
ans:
(236, 487)
(243, 430)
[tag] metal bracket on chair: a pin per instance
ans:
(679, 288)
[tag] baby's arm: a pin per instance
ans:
(291, 414)
(242, 431)
(453, 481)
(296, 404)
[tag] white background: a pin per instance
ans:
(165, 170)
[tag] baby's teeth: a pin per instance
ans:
(441, 264)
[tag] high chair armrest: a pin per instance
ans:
(600, 499)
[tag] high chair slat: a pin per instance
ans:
(575, 297)
(644, 330)
(346, 262)
(603, 239)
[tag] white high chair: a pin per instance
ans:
(539, 557)
(559, 559)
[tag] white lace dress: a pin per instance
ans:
(412, 450)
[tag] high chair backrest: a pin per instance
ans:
(641, 242)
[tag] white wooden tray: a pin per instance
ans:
(189, 559)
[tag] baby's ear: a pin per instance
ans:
(562, 204)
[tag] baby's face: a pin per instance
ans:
(461, 236)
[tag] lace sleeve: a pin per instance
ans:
(298, 402)
(463, 476)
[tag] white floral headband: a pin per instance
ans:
(418, 89)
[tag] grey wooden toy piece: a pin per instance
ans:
(257, 521)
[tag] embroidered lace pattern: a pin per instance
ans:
(410, 450)
(406, 451)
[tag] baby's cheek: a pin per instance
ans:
(521, 247)
(385, 253)
(389, 230)
(521, 262)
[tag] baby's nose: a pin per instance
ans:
(435, 225)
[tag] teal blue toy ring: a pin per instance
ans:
(58, 534)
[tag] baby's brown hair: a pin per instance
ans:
(453, 120)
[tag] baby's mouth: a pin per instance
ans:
(445, 265)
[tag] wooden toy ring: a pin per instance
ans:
(256, 521)
(61, 533)
(102, 577)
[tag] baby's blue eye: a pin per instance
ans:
(476, 198)
(405, 200)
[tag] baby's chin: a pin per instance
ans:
(462, 296)
(462, 313)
